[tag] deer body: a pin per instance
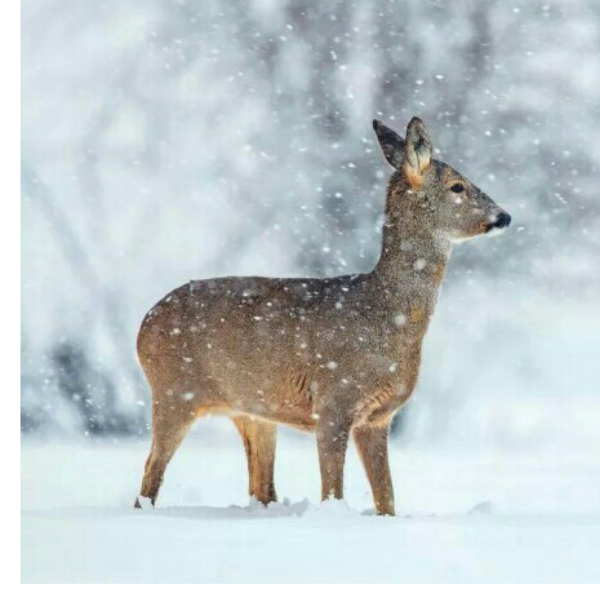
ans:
(336, 356)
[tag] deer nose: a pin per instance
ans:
(502, 221)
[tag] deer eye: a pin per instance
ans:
(458, 188)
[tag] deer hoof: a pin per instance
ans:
(142, 502)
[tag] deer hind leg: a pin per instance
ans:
(170, 425)
(259, 439)
(372, 445)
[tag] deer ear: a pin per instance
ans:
(391, 144)
(417, 153)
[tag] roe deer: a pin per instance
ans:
(333, 356)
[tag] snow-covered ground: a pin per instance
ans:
(462, 517)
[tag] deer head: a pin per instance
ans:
(439, 199)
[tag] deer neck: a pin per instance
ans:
(411, 268)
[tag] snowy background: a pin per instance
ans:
(164, 141)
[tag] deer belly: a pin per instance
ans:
(283, 399)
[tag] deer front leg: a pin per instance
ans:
(372, 445)
(332, 441)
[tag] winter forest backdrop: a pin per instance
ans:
(164, 141)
